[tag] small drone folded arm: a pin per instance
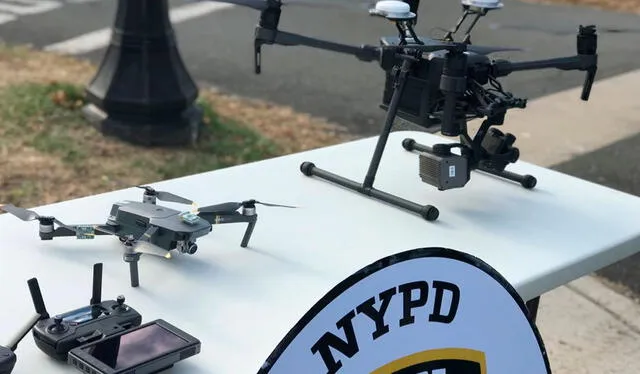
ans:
(228, 213)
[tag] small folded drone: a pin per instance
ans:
(147, 228)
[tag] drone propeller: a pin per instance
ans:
(266, 4)
(23, 214)
(562, 31)
(30, 215)
(165, 196)
(479, 49)
(233, 206)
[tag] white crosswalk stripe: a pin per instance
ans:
(11, 10)
(99, 39)
(28, 7)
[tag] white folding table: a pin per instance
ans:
(240, 302)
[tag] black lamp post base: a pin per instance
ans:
(181, 131)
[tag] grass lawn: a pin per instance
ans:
(49, 152)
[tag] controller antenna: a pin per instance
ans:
(96, 296)
(96, 293)
(36, 296)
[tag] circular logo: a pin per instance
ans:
(427, 310)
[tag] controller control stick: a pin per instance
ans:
(57, 327)
(121, 306)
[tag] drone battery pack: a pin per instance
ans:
(148, 348)
(419, 99)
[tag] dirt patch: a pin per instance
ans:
(627, 6)
(49, 153)
(20, 64)
(295, 131)
(620, 288)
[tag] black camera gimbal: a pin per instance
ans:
(435, 83)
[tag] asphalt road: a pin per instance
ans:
(217, 49)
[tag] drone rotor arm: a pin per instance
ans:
(585, 60)
(218, 209)
(234, 217)
(143, 245)
(588, 63)
(503, 68)
(64, 230)
(221, 217)
(268, 36)
(104, 230)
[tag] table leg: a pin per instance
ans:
(532, 306)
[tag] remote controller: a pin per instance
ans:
(58, 335)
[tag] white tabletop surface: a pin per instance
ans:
(241, 302)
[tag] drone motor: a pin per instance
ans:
(46, 228)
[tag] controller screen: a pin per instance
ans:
(135, 347)
(78, 315)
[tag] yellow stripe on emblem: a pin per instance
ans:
(461, 354)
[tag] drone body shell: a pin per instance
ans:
(134, 218)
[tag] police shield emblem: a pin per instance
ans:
(423, 311)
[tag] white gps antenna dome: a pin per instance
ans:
(393, 10)
(484, 4)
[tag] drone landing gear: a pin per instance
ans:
(428, 212)
(248, 231)
(133, 259)
(527, 181)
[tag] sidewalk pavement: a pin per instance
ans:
(587, 327)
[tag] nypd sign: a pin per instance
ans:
(428, 310)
